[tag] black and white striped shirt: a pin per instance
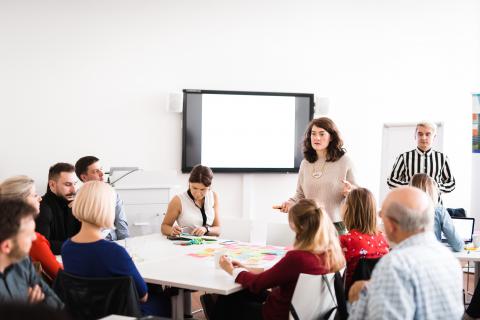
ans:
(431, 162)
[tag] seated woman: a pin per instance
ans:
(363, 240)
(23, 187)
(87, 254)
(443, 221)
(316, 251)
(195, 210)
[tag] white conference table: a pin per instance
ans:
(471, 255)
(162, 262)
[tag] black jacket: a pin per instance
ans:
(56, 221)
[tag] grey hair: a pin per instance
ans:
(17, 187)
(411, 220)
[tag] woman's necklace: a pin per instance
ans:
(317, 173)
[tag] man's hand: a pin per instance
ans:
(35, 294)
(355, 289)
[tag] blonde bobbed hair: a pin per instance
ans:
(95, 204)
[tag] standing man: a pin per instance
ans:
(420, 278)
(87, 169)
(19, 282)
(55, 220)
(423, 160)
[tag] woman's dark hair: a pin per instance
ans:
(335, 148)
(201, 174)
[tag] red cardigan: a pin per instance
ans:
(282, 278)
(358, 245)
(42, 253)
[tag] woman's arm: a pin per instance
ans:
(173, 211)
(453, 237)
(284, 271)
(299, 194)
(214, 230)
(40, 251)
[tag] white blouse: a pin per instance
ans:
(191, 216)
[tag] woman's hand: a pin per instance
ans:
(199, 231)
(226, 264)
(284, 207)
(176, 231)
(347, 187)
(238, 264)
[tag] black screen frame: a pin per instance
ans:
(196, 147)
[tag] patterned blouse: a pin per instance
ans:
(358, 245)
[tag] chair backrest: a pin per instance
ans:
(235, 229)
(93, 298)
(314, 297)
(364, 269)
(457, 212)
(280, 234)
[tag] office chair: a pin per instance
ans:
(93, 298)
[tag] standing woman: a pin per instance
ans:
(195, 210)
(23, 187)
(326, 173)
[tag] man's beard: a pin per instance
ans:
(16, 254)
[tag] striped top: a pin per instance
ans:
(433, 163)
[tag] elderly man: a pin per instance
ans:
(19, 281)
(423, 160)
(419, 278)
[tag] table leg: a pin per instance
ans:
(476, 275)
(187, 302)
(177, 305)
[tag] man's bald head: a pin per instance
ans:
(410, 208)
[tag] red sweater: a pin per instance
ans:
(358, 245)
(42, 253)
(282, 278)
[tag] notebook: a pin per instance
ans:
(464, 226)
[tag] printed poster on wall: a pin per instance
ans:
(475, 123)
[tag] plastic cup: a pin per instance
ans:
(218, 254)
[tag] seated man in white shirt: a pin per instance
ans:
(87, 169)
(419, 278)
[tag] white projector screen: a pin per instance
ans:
(244, 131)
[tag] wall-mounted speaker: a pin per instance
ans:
(322, 106)
(175, 102)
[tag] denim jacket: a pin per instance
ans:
(443, 223)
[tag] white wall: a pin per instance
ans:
(92, 77)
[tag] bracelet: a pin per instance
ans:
(206, 228)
